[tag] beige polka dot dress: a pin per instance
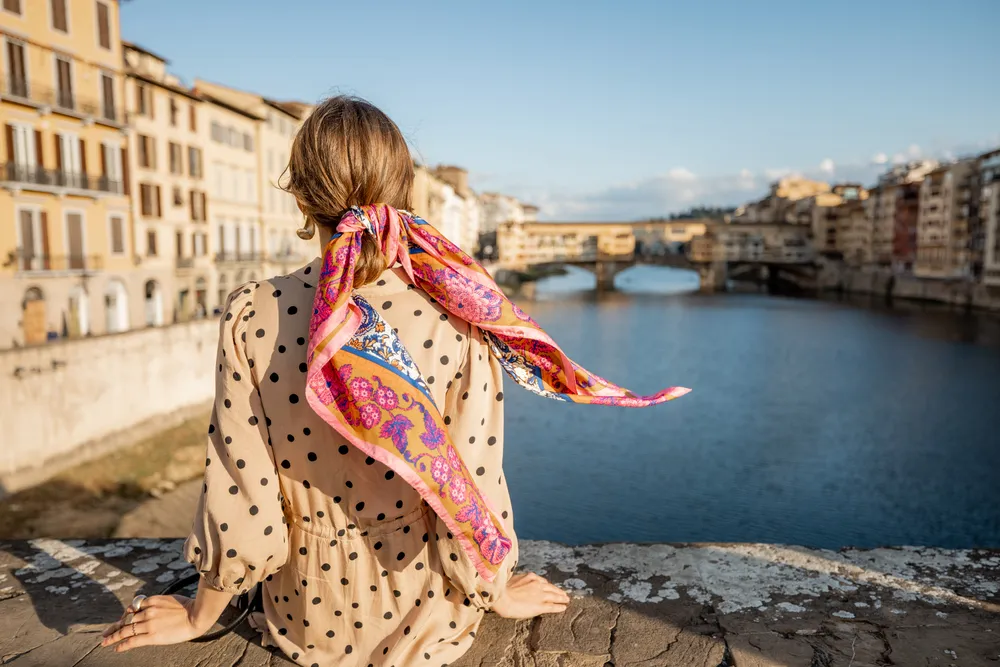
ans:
(356, 568)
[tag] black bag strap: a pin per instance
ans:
(244, 603)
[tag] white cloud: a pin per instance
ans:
(745, 180)
(775, 173)
(880, 158)
(914, 151)
(681, 175)
(827, 166)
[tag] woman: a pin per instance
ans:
(355, 450)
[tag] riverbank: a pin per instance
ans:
(659, 605)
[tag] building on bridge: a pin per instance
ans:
(526, 244)
(762, 243)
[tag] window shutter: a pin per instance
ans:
(83, 157)
(10, 142)
(59, 157)
(103, 25)
(45, 238)
(104, 160)
(194, 118)
(125, 170)
(159, 203)
(39, 153)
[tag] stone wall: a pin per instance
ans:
(61, 399)
(653, 605)
(881, 282)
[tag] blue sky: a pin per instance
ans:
(619, 110)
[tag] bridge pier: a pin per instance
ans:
(605, 271)
(713, 277)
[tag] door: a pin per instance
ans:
(74, 241)
(33, 317)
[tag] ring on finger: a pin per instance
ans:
(137, 602)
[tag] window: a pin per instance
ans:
(74, 239)
(141, 99)
(151, 242)
(198, 240)
(17, 79)
(236, 185)
(34, 241)
(176, 159)
(149, 200)
(59, 20)
(12, 6)
(108, 97)
(198, 206)
(147, 152)
(222, 237)
(179, 243)
(22, 145)
(173, 112)
(251, 189)
(247, 142)
(218, 134)
(178, 196)
(233, 137)
(70, 160)
(194, 162)
(117, 235)
(103, 26)
(193, 118)
(64, 78)
(111, 167)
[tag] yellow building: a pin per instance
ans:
(67, 248)
(169, 201)
(522, 244)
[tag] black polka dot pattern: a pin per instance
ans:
(307, 478)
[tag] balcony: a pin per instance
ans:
(184, 262)
(62, 101)
(33, 177)
(58, 263)
(248, 257)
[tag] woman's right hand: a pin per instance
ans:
(529, 595)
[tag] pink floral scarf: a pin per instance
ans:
(363, 382)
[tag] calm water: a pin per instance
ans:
(814, 423)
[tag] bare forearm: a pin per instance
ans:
(208, 606)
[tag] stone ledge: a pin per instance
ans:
(706, 605)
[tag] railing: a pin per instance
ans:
(59, 262)
(58, 178)
(239, 257)
(184, 262)
(60, 99)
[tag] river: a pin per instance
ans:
(811, 422)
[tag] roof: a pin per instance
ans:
(226, 105)
(140, 49)
(191, 94)
(293, 109)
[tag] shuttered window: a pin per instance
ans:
(117, 235)
(64, 74)
(17, 81)
(59, 21)
(103, 25)
(12, 6)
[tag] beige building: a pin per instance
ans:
(67, 250)
(834, 218)
(889, 200)
(231, 163)
(754, 242)
(989, 215)
(943, 222)
(787, 202)
(284, 250)
(660, 236)
(169, 202)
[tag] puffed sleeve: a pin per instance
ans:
(238, 536)
(474, 414)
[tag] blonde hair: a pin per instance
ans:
(349, 153)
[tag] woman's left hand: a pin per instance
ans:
(163, 619)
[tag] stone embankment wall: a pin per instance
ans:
(64, 401)
(883, 283)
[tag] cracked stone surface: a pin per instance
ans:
(703, 605)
